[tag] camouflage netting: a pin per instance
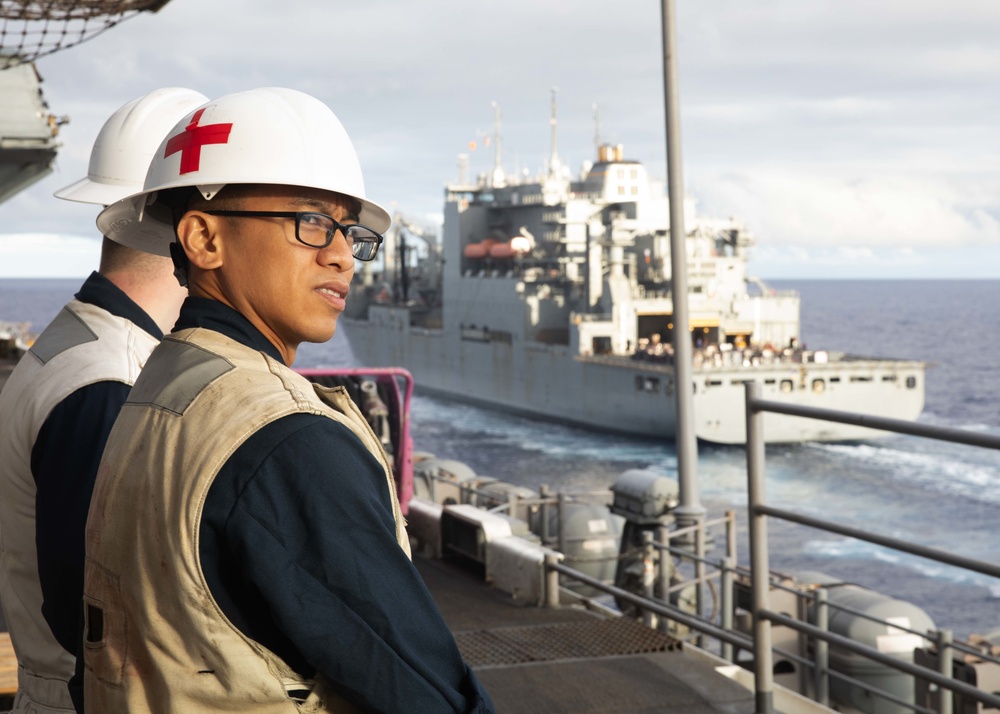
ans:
(32, 29)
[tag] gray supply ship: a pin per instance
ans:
(551, 296)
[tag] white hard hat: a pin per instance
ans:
(269, 136)
(126, 144)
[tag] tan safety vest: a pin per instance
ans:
(156, 640)
(83, 345)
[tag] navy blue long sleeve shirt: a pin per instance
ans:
(64, 461)
(298, 546)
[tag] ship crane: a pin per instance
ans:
(397, 257)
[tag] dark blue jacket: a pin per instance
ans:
(298, 546)
(64, 461)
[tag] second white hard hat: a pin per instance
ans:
(126, 144)
(269, 135)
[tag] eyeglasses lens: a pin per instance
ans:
(363, 241)
(318, 230)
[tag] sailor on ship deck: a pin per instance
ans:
(58, 406)
(245, 523)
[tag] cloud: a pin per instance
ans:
(43, 255)
(791, 206)
(778, 261)
(821, 123)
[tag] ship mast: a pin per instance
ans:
(689, 511)
(498, 179)
(554, 166)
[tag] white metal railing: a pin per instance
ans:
(758, 511)
(740, 589)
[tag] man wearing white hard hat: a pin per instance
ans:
(58, 407)
(245, 546)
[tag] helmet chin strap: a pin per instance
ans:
(180, 260)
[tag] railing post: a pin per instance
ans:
(699, 575)
(759, 566)
(562, 521)
(648, 577)
(802, 613)
(731, 535)
(822, 648)
(664, 537)
(731, 557)
(551, 580)
(946, 656)
(544, 494)
(726, 585)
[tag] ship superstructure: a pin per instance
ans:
(552, 297)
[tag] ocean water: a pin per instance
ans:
(940, 495)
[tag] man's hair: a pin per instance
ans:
(116, 258)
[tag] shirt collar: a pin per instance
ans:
(213, 315)
(99, 291)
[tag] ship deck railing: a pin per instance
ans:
(944, 651)
(729, 627)
(729, 641)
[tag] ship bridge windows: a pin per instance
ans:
(601, 345)
(911, 382)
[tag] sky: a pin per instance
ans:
(855, 138)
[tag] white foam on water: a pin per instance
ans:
(853, 549)
(949, 469)
(554, 440)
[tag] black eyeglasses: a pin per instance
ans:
(317, 230)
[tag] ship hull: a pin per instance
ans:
(634, 397)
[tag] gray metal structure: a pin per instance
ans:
(28, 130)
(690, 509)
(30, 29)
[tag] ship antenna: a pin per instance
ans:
(498, 175)
(554, 165)
(689, 511)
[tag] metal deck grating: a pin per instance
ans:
(568, 640)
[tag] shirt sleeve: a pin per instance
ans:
(306, 561)
(64, 462)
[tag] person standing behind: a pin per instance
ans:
(245, 548)
(58, 407)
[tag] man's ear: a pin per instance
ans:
(198, 234)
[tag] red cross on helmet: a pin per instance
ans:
(261, 136)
